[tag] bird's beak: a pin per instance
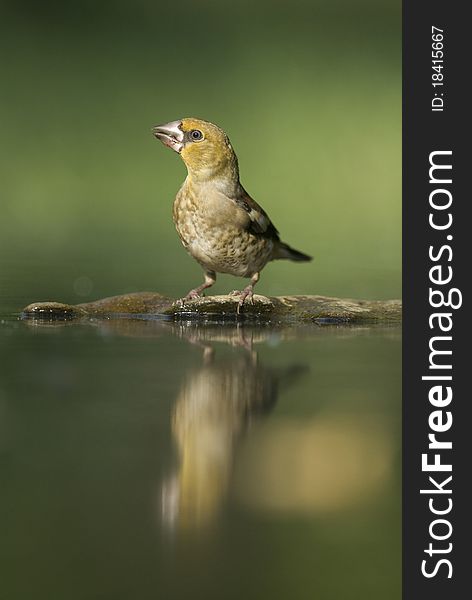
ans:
(170, 135)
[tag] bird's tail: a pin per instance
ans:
(285, 251)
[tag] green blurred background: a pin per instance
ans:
(309, 92)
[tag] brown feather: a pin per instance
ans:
(260, 222)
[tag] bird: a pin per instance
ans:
(218, 222)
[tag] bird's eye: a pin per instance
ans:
(196, 135)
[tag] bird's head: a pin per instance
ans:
(203, 146)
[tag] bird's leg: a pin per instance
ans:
(247, 292)
(210, 278)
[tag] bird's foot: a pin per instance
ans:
(246, 294)
(192, 295)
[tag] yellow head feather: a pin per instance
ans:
(210, 156)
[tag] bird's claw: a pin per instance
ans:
(246, 293)
(192, 295)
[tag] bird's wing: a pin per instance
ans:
(259, 222)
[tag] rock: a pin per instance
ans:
(53, 311)
(279, 309)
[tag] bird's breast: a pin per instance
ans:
(213, 229)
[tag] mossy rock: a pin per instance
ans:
(279, 309)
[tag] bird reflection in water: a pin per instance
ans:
(216, 405)
(337, 459)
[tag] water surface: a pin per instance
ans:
(148, 459)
